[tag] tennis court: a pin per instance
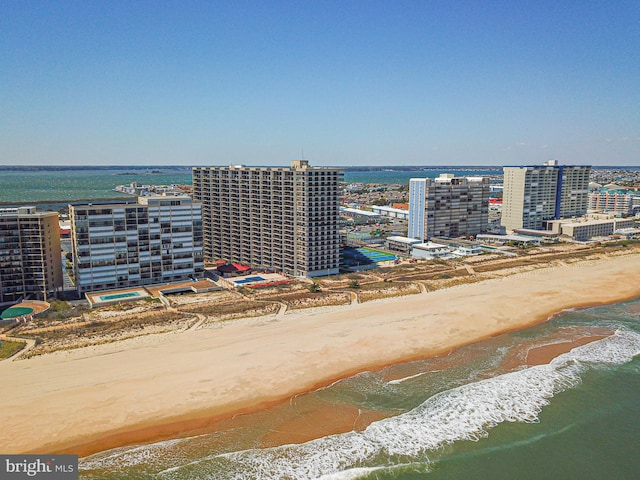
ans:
(376, 255)
(364, 256)
(15, 312)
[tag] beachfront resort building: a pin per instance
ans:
(155, 241)
(448, 206)
(535, 194)
(282, 219)
(611, 198)
(30, 259)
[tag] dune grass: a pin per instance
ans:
(8, 348)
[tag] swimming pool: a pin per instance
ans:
(249, 280)
(118, 296)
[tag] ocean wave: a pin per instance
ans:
(124, 457)
(355, 473)
(466, 412)
(410, 377)
(618, 348)
(351, 474)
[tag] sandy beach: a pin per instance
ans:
(157, 386)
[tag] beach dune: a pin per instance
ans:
(155, 387)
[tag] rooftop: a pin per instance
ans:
(407, 240)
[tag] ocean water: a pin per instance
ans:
(31, 184)
(22, 185)
(478, 413)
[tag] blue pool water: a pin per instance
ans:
(249, 280)
(118, 296)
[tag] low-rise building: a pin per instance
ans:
(391, 212)
(544, 236)
(401, 245)
(467, 251)
(521, 240)
(585, 228)
(359, 213)
(430, 250)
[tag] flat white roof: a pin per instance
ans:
(390, 209)
(595, 221)
(430, 246)
(359, 212)
(541, 233)
(506, 238)
(407, 240)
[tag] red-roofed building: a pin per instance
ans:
(233, 269)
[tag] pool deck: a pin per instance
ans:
(264, 278)
(197, 287)
(36, 305)
(155, 291)
(95, 300)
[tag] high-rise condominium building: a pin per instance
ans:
(533, 194)
(30, 256)
(284, 219)
(448, 206)
(155, 241)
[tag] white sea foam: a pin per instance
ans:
(355, 473)
(466, 412)
(351, 474)
(463, 413)
(618, 348)
(124, 457)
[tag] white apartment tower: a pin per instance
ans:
(448, 206)
(534, 194)
(155, 241)
(30, 257)
(283, 219)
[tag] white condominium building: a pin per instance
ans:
(155, 241)
(284, 219)
(534, 194)
(30, 256)
(448, 206)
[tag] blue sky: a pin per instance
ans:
(346, 82)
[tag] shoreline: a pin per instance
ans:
(113, 395)
(208, 420)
